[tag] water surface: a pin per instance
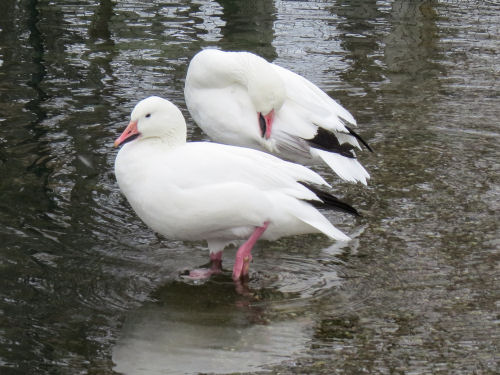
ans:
(85, 287)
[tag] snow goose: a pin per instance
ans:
(215, 192)
(239, 98)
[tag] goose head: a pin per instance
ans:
(266, 91)
(154, 117)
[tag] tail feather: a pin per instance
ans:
(323, 225)
(346, 168)
(329, 201)
(303, 217)
(310, 215)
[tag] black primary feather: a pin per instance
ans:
(326, 140)
(358, 137)
(329, 201)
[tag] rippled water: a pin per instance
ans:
(85, 287)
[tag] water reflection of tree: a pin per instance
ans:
(24, 228)
(408, 53)
(393, 52)
(22, 72)
(410, 47)
(249, 26)
(44, 185)
(99, 27)
(360, 40)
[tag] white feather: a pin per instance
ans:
(220, 193)
(348, 169)
(225, 92)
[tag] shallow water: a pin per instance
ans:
(85, 287)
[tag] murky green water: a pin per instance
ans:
(85, 287)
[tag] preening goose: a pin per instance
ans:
(239, 98)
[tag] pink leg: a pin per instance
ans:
(215, 267)
(216, 262)
(216, 257)
(244, 256)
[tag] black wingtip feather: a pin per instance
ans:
(328, 141)
(329, 201)
(358, 137)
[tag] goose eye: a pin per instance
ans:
(148, 115)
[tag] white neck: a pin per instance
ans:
(173, 137)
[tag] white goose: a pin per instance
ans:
(214, 192)
(239, 98)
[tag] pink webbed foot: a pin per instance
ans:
(201, 273)
(244, 256)
(205, 273)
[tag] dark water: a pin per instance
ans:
(86, 288)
